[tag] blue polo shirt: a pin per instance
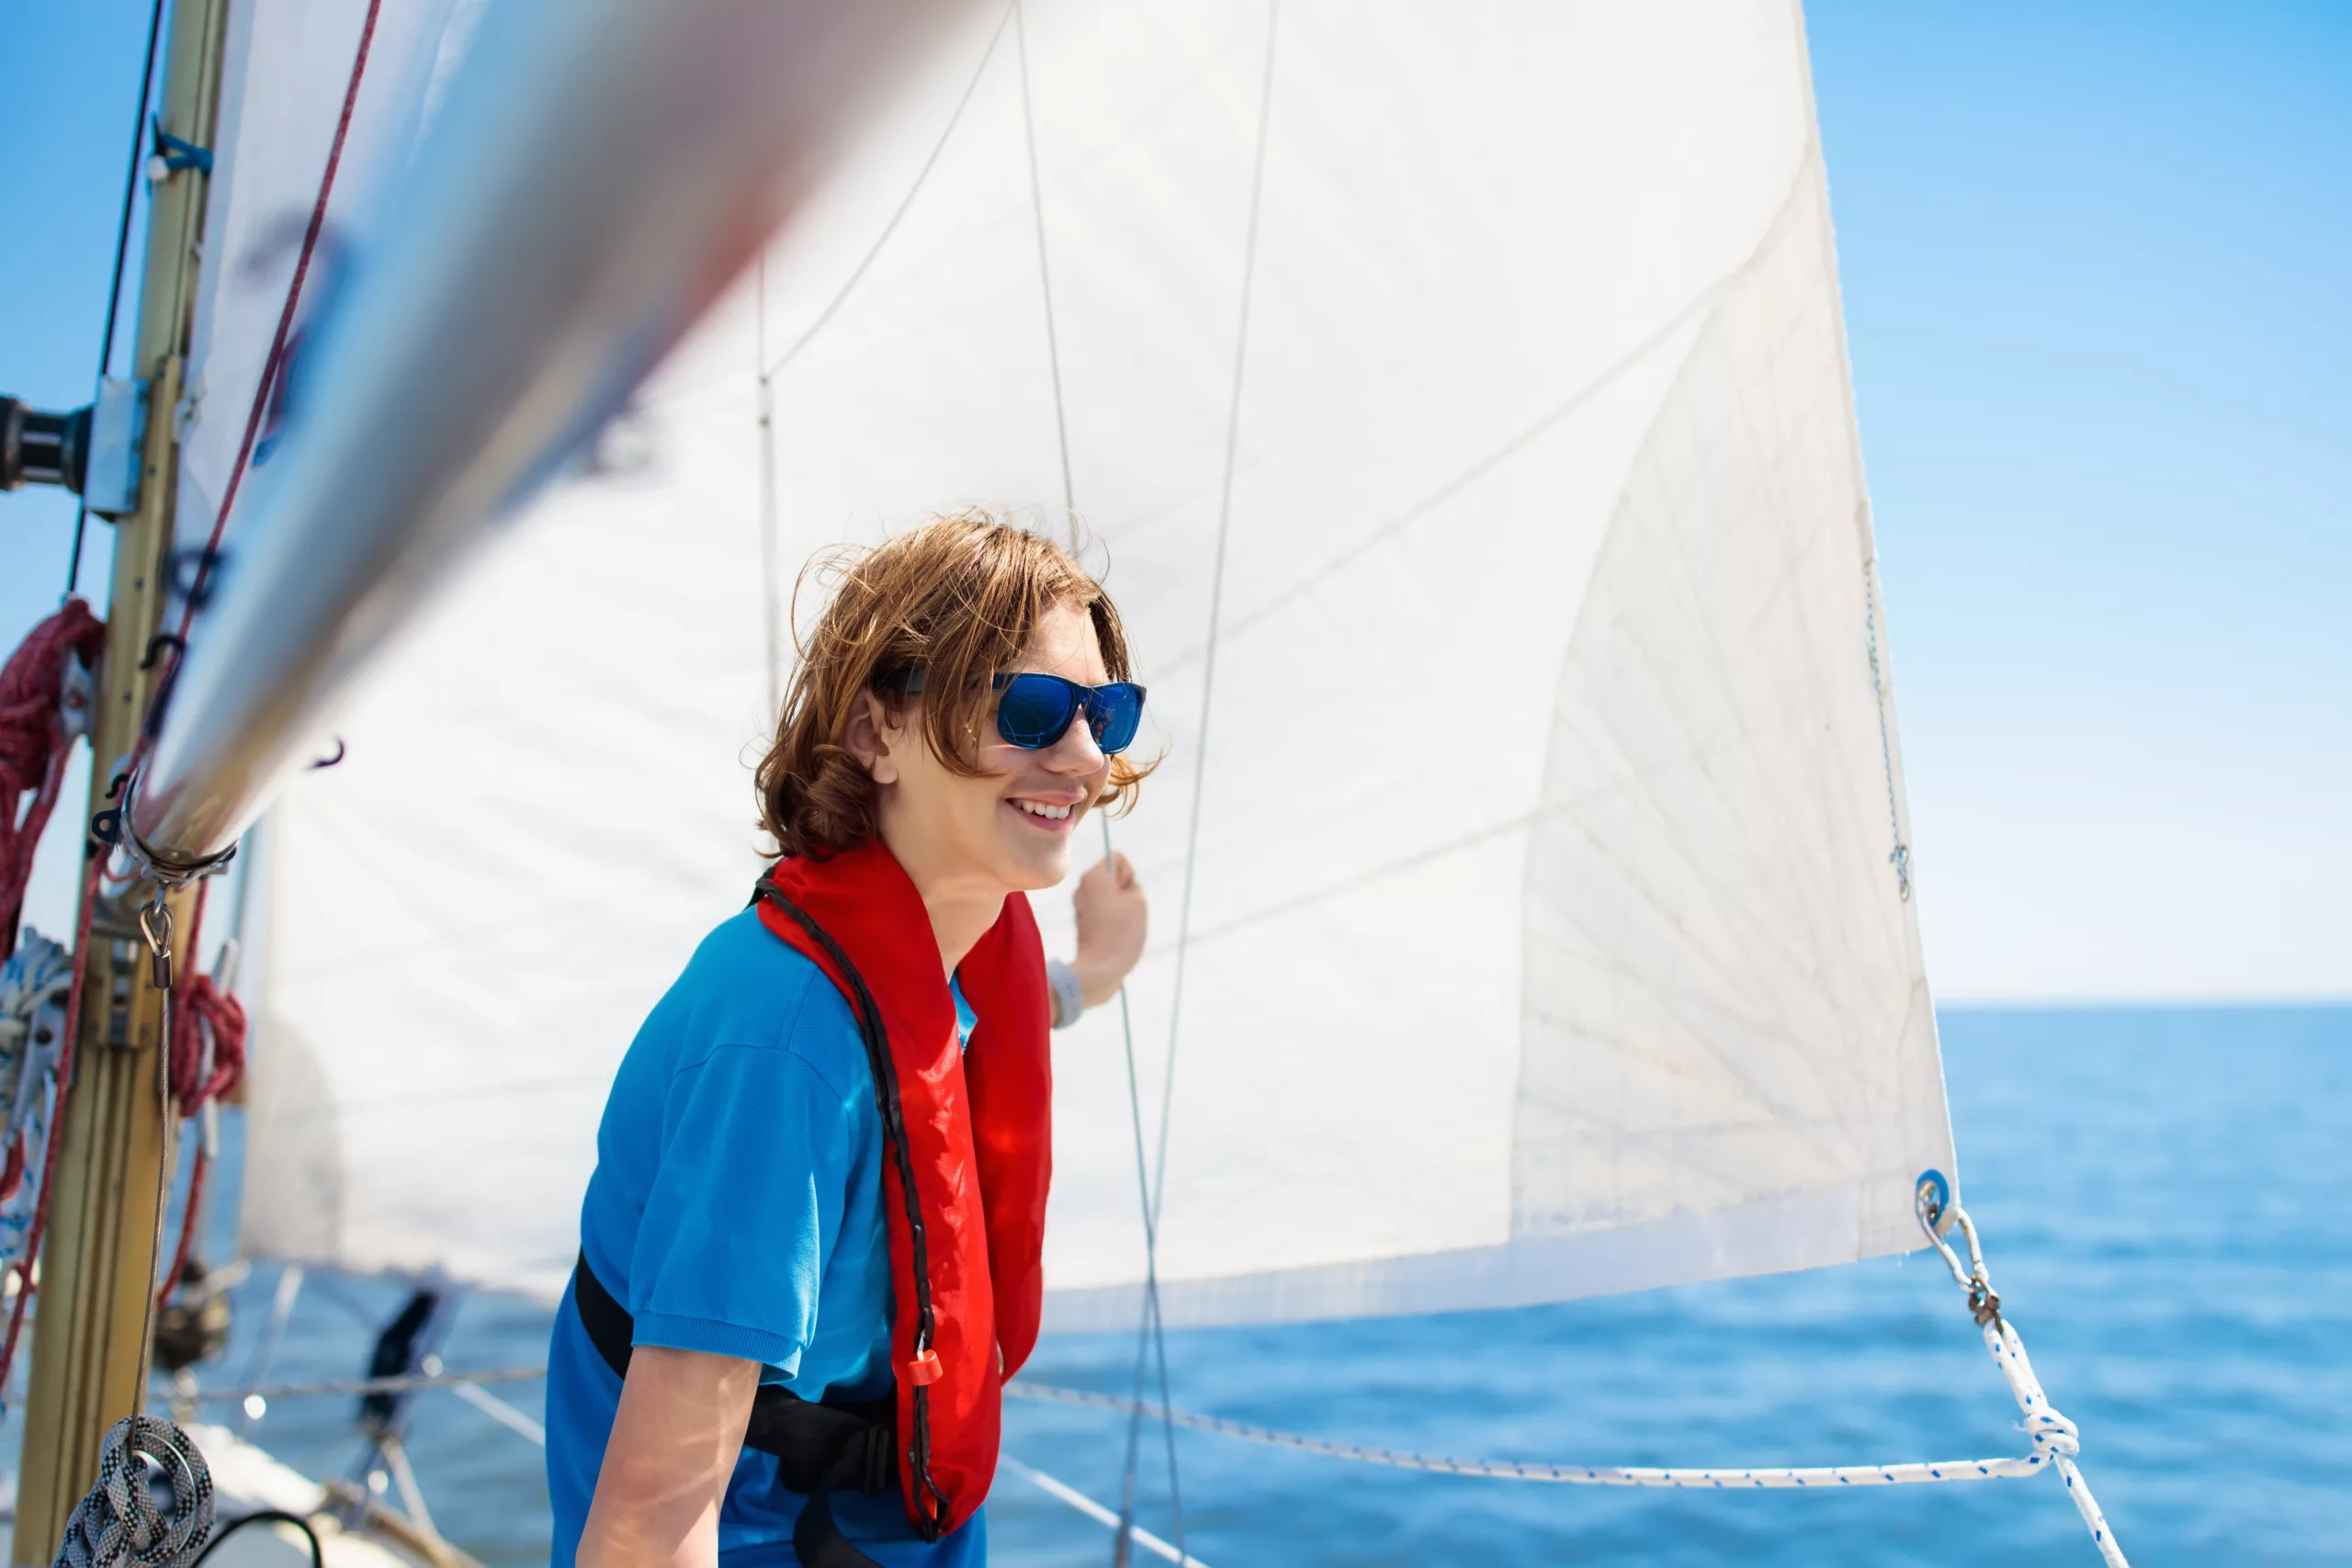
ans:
(737, 1208)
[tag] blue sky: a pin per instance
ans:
(2095, 261)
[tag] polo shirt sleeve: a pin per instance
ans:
(745, 1210)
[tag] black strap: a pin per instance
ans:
(820, 1447)
(818, 1542)
(917, 1448)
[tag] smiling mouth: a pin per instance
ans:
(1046, 814)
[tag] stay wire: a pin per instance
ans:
(121, 251)
(1046, 279)
(1150, 1335)
(1216, 607)
(922, 176)
(1158, 1191)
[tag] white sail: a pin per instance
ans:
(286, 72)
(1533, 857)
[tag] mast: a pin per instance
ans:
(117, 1137)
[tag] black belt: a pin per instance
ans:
(819, 1447)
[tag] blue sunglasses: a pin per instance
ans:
(1035, 710)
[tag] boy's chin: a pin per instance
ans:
(1037, 869)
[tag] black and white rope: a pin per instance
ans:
(118, 1524)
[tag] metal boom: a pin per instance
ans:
(598, 172)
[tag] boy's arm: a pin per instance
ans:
(675, 1442)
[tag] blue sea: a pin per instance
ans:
(2163, 1195)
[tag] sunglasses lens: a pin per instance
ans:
(1115, 714)
(1034, 710)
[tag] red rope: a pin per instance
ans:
(200, 1008)
(273, 365)
(33, 744)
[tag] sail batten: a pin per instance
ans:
(1545, 938)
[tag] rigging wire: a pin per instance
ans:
(1216, 601)
(922, 174)
(274, 367)
(121, 250)
(1046, 277)
(1150, 1333)
(1062, 1492)
(1157, 1187)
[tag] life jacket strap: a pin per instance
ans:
(820, 1445)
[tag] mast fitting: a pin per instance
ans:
(172, 153)
(92, 451)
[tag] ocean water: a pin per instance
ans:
(2161, 1194)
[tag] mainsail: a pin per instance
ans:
(1457, 402)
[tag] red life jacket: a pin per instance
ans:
(968, 1136)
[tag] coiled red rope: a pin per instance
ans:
(202, 1011)
(34, 740)
(201, 1008)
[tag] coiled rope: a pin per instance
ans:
(42, 708)
(33, 989)
(45, 699)
(207, 1062)
(117, 1524)
(2056, 1440)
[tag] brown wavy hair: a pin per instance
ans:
(956, 599)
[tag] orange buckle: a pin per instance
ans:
(925, 1369)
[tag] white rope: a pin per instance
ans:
(2052, 1434)
(2055, 1439)
(1570, 1474)
(117, 1524)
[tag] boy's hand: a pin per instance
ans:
(1112, 921)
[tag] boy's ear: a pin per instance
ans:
(867, 739)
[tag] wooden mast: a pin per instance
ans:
(95, 1308)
